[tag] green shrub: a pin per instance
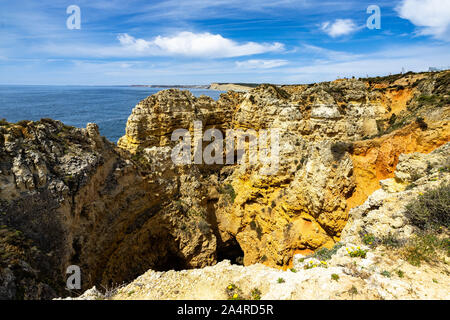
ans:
(256, 294)
(353, 290)
(431, 209)
(281, 280)
(234, 292)
(386, 273)
(424, 248)
(391, 241)
(326, 254)
(335, 277)
(421, 122)
(428, 99)
(368, 239)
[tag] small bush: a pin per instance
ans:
(421, 122)
(424, 248)
(391, 241)
(204, 227)
(256, 294)
(353, 290)
(281, 280)
(368, 239)
(335, 277)
(386, 273)
(234, 292)
(326, 254)
(357, 252)
(429, 99)
(431, 209)
(229, 190)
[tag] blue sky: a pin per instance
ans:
(201, 41)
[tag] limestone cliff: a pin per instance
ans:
(70, 197)
(380, 228)
(338, 140)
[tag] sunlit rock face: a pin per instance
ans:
(70, 197)
(337, 141)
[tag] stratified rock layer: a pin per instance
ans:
(338, 140)
(69, 197)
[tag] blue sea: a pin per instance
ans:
(109, 107)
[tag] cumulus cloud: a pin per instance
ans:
(191, 44)
(431, 16)
(339, 27)
(261, 64)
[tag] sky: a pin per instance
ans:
(203, 41)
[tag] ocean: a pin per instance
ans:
(109, 107)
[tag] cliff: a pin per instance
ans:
(69, 197)
(338, 140)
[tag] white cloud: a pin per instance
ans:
(261, 64)
(432, 16)
(339, 27)
(190, 44)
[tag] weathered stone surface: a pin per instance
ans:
(68, 196)
(338, 141)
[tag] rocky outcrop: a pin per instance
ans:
(383, 213)
(381, 272)
(338, 140)
(69, 197)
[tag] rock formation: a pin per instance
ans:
(338, 140)
(70, 197)
(381, 273)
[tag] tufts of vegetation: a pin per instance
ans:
(326, 254)
(256, 294)
(431, 210)
(386, 273)
(234, 292)
(421, 122)
(357, 252)
(353, 290)
(368, 239)
(335, 277)
(229, 191)
(425, 248)
(281, 280)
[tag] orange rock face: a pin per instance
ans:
(375, 160)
